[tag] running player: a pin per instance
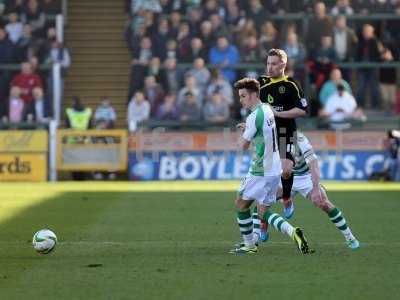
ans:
(288, 103)
(261, 183)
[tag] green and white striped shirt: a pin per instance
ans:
(261, 130)
(303, 155)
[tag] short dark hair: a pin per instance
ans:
(247, 83)
(278, 52)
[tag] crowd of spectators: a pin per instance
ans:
(28, 39)
(185, 53)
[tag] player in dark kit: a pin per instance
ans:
(288, 103)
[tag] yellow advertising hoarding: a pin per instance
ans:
(26, 141)
(23, 167)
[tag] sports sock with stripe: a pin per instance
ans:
(279, 223)
(245, 223)
(256, 225)
(337, 218)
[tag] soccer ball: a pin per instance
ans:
(44, 241)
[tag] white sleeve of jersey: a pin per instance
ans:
(250, 130)
(305, 148)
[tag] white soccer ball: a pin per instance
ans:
(44, 241)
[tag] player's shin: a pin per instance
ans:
(337, 218)
(287, 184)
(245, 223)
(279, 223)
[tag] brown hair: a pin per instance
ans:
(278, 52)
(249, 84)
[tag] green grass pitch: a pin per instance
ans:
(170, 241)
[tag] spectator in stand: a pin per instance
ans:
(210, 7)
(206, 35)
(322, 61)
(175, 20)
(320, 25)
(183, 40)
(168, 110)
(256, 12)
(388, 80)
(341, 106)
(6, 48)
(16, 106)
(233, 17)
(138, 111)
(342, 7)
(26, 81)
(223, 56)
(269, 38)
(219, 84)
(59, 54)
(194, 19)
(218, 26)
(330, 86)
(154, 68)
(192, 87)
(216, 109)
(170, 77)
(139, 65)
(250, 50)
(153, 92)
(368, 51)
(246, 29)
(196, 50)
(295, 50)
(189, 110)
(161, 37)
(35, 18)
(25, 45)
(172, 49)
(344, 40)
(14, 28)
(39, 100)
(201, 73)
(105, 115)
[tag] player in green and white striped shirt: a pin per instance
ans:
(262, 182)
(307, 183)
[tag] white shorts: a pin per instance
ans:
(302, 185)
(259, 188)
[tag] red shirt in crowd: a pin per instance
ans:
(27, 82)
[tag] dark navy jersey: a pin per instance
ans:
(282, 94)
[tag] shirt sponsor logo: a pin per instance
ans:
(281, 89)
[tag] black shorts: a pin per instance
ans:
(286, 147)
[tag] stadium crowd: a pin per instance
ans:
(184, 55)
(28, 38)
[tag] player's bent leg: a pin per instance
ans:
(336, 217)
